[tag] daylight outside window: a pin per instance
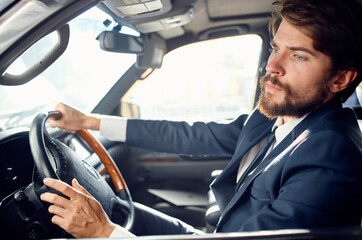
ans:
(210, 80)
(80, 77)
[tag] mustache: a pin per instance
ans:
(273, 79)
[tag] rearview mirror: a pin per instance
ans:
(118, 42)
(149, 48)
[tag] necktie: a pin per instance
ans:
(258, 158)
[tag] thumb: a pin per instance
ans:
(53, 122)
(78, 187)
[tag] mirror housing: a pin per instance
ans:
(112, 41)
(150, 48)
(154, 50)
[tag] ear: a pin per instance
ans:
(342, 80)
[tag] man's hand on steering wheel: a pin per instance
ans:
(72, 119)
(81, 215)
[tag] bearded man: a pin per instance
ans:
(309, 175)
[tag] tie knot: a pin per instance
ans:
(271, 137)
(258, 158)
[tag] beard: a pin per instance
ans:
(296, 103)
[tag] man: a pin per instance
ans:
(310, 175)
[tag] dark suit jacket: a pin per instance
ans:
(312, 179)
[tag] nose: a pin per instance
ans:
(276, 64)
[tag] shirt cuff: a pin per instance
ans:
(113, 128)
(120, 232)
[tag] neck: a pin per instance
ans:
(286, 119)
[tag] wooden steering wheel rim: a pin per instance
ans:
(112, 169)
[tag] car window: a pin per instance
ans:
(210, 80)
(80, 77)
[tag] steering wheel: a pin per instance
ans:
(56, 160)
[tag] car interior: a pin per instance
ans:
(175, 184)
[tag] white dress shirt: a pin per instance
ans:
(280, 133)
(120, 232)
(113, 128)
(359, 94)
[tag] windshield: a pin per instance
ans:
(202, 87)
(80, 77)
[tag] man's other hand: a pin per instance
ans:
(81, 215)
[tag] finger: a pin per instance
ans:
(65, 129)
(56, 123)
(61, 119)
(60, 106)
(54, 198)
(64, 224)
(61, 187)
(58, 221)
(54, 120)
(56, 210)
(78, 187)
(59, 123)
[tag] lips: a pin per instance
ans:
(271, 84)
(269, 87)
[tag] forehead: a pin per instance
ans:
(292, 36)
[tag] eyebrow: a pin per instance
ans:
(303, 49)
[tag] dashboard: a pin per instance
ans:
(21, 184)
(16, 161)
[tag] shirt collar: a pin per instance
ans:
(282, 130)
(359, 95)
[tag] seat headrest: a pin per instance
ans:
(358, 111)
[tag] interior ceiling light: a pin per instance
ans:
(134, 7)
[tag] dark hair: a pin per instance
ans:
(334, 25)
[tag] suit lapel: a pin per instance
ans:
(269, 158)
(249, 139)
(287, 141)
(224, 185)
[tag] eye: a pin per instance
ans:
(299, 57)
(273, 50)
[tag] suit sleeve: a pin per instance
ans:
(200, 138)
(316, 188)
